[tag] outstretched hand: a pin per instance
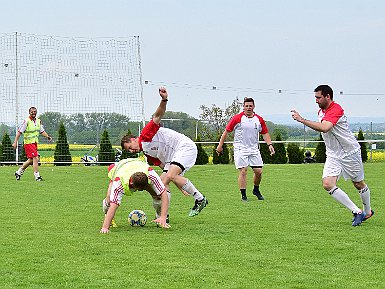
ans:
(295, 115)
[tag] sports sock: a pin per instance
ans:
(341, 197)
(243, 193)
(256, 189)
(365, 197)
(192, 191)
(37, 175)
(20, 171)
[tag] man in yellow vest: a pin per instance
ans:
(31, 128)
(128, 176)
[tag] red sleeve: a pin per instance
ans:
(234, 121)
(149, 131)
(333, 113)
(263, 124)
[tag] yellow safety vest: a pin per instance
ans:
(31, 134)
(125, 169)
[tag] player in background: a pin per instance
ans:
(128, 176)
(343, 155)
(247, 126)
(31, 128)
(174, 152)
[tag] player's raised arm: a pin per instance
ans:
(159, 113)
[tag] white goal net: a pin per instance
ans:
(69, 75)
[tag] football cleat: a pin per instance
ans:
(113, 224)
(368, 216)
(198, 207)
(358, 218)
(39, 179)
(17, 176)
(244, 199)
(258, 195)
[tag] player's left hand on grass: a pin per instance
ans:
(162, 223)
(104, 230)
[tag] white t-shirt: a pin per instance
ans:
(339, 140)
(162, 145)
(246, 131)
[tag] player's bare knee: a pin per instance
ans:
(327, 185)
(359, 185)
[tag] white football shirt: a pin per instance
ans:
(339, 140)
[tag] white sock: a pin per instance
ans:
(365, 197)
(36, 174)
(20, 171)
(192, 191)
(341, 197)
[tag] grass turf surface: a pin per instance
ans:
(299, 237)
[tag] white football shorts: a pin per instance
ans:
(244, 159)
(350, 167)
(185, 155)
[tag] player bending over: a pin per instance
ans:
(174, 152)
(128, 176)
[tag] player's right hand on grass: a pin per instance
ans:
(104, 230)
(162, 223)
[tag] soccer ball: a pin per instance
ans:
(137, 218)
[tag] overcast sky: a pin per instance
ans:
(243, 48)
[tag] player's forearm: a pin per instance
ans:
(110, 215)
(165, 205)
(160, 111)
(223, 138)
(18, 134)
(318, 126)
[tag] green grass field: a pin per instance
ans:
(299, 237)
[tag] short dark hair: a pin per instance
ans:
(248, 99)
(32, 107)
(126, 138)
(325, 90)
(139, 181)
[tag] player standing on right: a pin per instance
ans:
(172, 151)
(343, 155)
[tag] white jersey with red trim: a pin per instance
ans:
(160, 143)
(246, 131)
(339, 140)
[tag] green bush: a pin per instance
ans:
(280, 152)
(106, 153)
(265, 152)
(224, 157)
(364, 152)
(7, 153)
(320, 151)
(202, 157)
(295, 154)
(62, 155)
